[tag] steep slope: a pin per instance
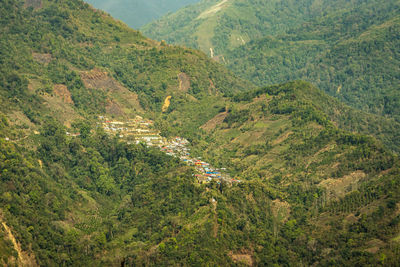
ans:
(222, 25)
(360, 67)
(137, 206)
(74, 46)
(92, 199)
(347, 48)
(277, 135)
(302, 181)
(233, 23)
(65, 63)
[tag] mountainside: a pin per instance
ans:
(347, 48)
(138, 12)
(300, 186)
(359, 67)
(320, 175)
(55, 57)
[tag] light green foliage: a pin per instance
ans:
(348, 49)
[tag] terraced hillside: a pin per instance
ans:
(319, 178)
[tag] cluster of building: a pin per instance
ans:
(205, 173)
(139, 130)
(72, 134)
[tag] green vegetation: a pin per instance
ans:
(333, 181)
(310, 193)
(69, 36)
(348, 49)
(90, 188)
(358, 66)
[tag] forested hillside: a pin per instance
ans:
(138, 12)
(307, 189)
(357, 64)
(347, 48)
(58, 50)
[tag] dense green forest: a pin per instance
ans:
(347, 48)
(315, 188)
(358, 66)
(96, 200)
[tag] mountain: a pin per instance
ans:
(277, 136)
(56, 52)
(347, 48)
(138, 12)
(306, 190)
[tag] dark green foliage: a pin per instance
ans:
(99, 167)
(327, 107)
(351, 54)
(95, 200)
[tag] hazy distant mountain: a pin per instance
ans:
(136, 13)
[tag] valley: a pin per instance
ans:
(119, 150)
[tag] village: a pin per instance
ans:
(140, 130)
(137, 130)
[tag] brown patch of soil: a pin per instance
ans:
(24, 258)
(114, 109)
(126, 100)
(337, 188)
(61, 90)
(280, 209)
(42, 58)
(211, 124)
(350, 219)
(97, 79)
(184, 82)
(281, 138)
(212, 89)
(33, 3)
(374, 245)
(242, 258)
